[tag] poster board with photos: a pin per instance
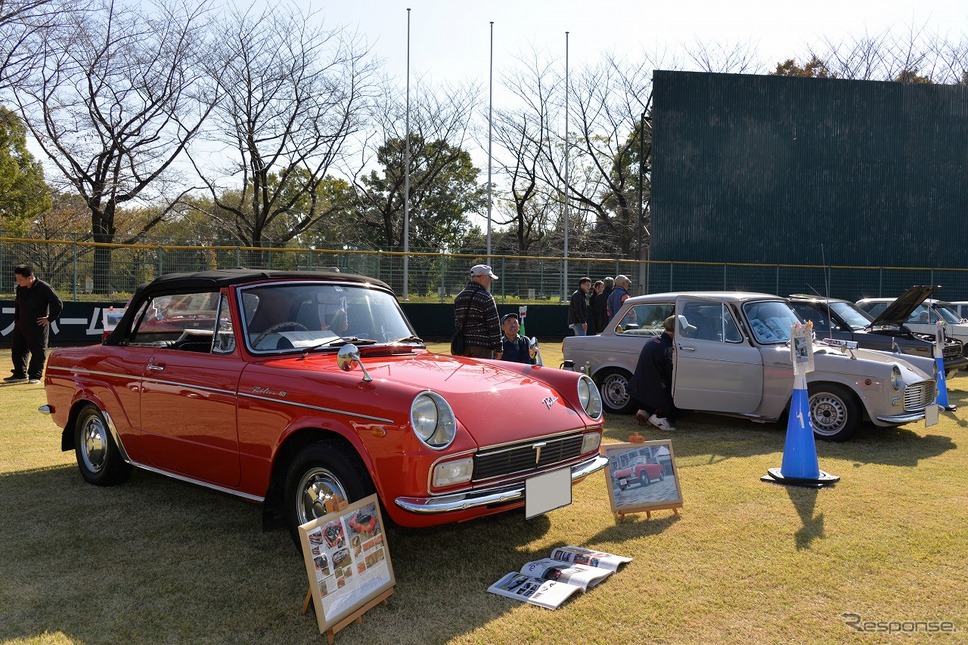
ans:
(347, 562)
(642, 477)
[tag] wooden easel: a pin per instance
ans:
(334, 504)
(648, 514)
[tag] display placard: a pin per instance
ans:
(641, 477)
(347, 562)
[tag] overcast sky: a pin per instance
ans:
(450, 39)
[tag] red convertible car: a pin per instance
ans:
(289, 388)
(639, 472)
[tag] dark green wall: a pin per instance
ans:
(769, 169)
(436, 321)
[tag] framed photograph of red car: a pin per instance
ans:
(642, 477)
(347, 562)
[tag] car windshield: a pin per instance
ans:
(853, 315)
(948, 313)
(771, 321)
(283, 316)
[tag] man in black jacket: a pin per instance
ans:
(578, 308)
(36, 306)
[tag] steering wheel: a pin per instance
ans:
(288, 325)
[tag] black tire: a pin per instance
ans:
(644, 479)
(319, 471)
(98, 457)
(834, 411)
(613, 384)
(661, 477)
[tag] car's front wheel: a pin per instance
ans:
(98, 456)
(319, 473)
(613, 383)
(834, 411)
(644, 479)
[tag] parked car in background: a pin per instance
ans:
(292, 388)
(960, 307)
(733, 357)
(923, 317)
(843, 320)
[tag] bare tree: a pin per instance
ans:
(739, 58)
(292, 95)
(23, 27)
(113, 103)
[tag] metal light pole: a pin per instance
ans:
(564, 278)
(490, 130)
(406, 181)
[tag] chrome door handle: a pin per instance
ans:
(686, 348)
(155, 368)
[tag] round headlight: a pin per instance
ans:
(896, 381)
(588, 395)
(433, 420)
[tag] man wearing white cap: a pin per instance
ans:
(475, 316)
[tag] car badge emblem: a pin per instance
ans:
(549, 401)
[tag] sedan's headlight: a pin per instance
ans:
(449, 473)
(896, 381)
(588, 395)
(433, 420)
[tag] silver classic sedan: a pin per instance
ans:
(732, 356)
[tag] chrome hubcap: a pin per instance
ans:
(94, 444)
(829, 414)
(316, 487)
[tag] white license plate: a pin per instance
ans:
(623, 482)
(547, 492)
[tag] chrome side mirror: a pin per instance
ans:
(348, 357)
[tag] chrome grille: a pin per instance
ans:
(918, 395)
(523, 457)
(952, 351)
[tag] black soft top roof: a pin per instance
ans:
(214, 280)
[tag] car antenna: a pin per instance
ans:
(826, 284)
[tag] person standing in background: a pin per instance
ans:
(475, 315)
(597, 306)
(36, 306)
(619, 294)
(578, 308)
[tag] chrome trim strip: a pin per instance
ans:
(116, 436)
(221, 489)
(316, 407)
(498, 495)
(902, 418)
(226, 392)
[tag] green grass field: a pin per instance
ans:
(156, 560)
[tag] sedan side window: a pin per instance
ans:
(224, 336)
(644, 320)
(711, 321)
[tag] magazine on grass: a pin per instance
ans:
(550, 581)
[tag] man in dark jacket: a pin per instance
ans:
(620, 294)
(578, 308)
(36, 306)
(475, 315)
(651, 385)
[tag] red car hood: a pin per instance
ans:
(496, 403)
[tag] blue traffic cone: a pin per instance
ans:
(799, 466)
(943, 387)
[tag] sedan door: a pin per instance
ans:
(715, 367)
(188, 407)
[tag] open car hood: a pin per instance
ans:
(898, 311)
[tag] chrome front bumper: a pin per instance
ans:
(899, 419)
(488, 496)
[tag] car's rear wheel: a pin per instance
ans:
(319, 473)
(98, 457)
(613, 383)
(834, 411)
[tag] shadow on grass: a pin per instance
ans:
(716, 438)
(163, 561)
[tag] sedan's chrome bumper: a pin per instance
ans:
(899, 419)
(488, 496)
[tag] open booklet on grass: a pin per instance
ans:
(550, 581)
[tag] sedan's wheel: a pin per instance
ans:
(613, 383)
(834, 411)
(644, 479)
(321, 472)
(98, 457)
